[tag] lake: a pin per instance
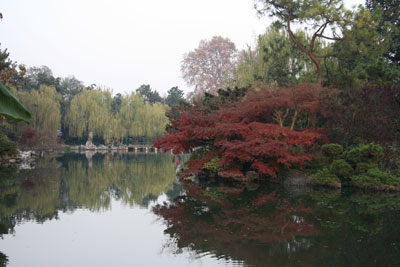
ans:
(127, 209)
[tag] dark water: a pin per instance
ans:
(129, 210)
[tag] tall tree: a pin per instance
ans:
(36, 76)
(361, 53)
(390, 14)
(116, 103)
(209, 66)
(148, 94)
(275, 60)
(90, 112)
(174, 97)
(322, 16)
(68, 87)
(44, 105)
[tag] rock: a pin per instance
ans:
(89, 143)
(252, 176)
(252, 186)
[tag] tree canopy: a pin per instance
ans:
(209, 66)
(319, 16)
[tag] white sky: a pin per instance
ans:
(122, 44)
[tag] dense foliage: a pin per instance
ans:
(264, 131)
(275, 60)
(357, 165)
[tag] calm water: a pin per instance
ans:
(129, 210)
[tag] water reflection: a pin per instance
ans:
(71, 181)
(254, 226)
(270, 227)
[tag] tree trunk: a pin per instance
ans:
(308, 53)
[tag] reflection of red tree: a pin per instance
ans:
(259, 131)
(222, 222)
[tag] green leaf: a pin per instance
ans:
(11, 108)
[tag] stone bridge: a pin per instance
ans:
(141, 148)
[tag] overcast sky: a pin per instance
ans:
(121, 44)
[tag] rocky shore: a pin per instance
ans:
(23, 159)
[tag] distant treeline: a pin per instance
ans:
(64, 108)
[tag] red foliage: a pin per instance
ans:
(225, 223)
(248, 133)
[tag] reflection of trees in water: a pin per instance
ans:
(238, 225)
(40, 193)
(29, 194)
(3, 260)
(360, 229)
(275, 229)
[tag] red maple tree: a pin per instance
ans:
(265, 130)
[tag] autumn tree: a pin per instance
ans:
(258, 132)
(321, 17)
(209, 66)
(11, 74)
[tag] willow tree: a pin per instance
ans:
(132, 108)
(90, 111)
(324, 18)
(141, 119)
(44, 106)
(156, 121)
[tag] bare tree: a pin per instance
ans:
(208, 67)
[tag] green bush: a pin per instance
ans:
(325, 176)
(358, 164)
(363, 153)
(341, 168)
(376, 177)
(332, 150)
(363, 167)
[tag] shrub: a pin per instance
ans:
(341, 168)
(376, 177)
(324, 176)
(363, 153)
(332, 150)
(363, 167)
